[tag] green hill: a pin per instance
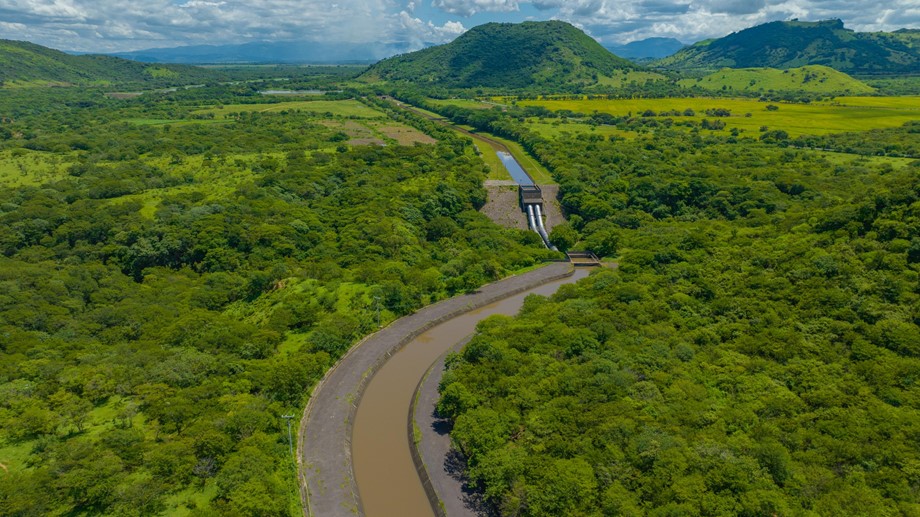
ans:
(547, 54)
(812, 78)
(794, 44)
(24, 64)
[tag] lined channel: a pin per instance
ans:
(387, 481)
(514, 168)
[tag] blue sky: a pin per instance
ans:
(121, 25)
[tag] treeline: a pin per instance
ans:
(172, 290)
(755, 353)
(899, 142)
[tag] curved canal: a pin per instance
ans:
(386, 477)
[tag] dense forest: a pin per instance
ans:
(181, 261)
(174, 281)
(755, 352)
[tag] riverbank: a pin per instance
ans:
(324, 438)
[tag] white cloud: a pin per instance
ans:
(420, 33)
(49, 9)
(104, 25)
(471, 7)
(110, 25)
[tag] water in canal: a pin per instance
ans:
(387, 482)
(514, 168)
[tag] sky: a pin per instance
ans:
(123, 25)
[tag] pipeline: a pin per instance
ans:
(533, 224)
(536, 222)
(542, 230)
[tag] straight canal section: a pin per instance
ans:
(353, 445)
(531, 196)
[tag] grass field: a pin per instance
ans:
(869, 161)
(345, 108)
(623, 79)
(817, 79)
(555, 129)
(795, 119)
(896, 103)
(15, 456)
(21, 167)
(426, 112)
(463, 103)
(537, 172)
(497, 170)
(183, 503)
(215, 182)
(400, 134)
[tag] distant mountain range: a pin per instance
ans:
(650, 48)
(293, 52)
(549, 56)
(24, 63)
(312, 52)
(505, 55)
(793, 44)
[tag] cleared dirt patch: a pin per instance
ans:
(502, 205)
(405, 135)
(503, 208)
(358, 133)
(366, 141)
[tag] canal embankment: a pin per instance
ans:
(325, 438)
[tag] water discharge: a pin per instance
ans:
(387, 481)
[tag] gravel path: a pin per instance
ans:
(324, 437)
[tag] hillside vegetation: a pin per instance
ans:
(25, 64)
(755, 353)
(173, 279)
(795, 44)
(547, 54)
(812, 78)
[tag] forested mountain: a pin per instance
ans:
(24, 63)
(507, 55)
(647, 48)
(793, 44)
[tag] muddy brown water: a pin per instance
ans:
(388, 484)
